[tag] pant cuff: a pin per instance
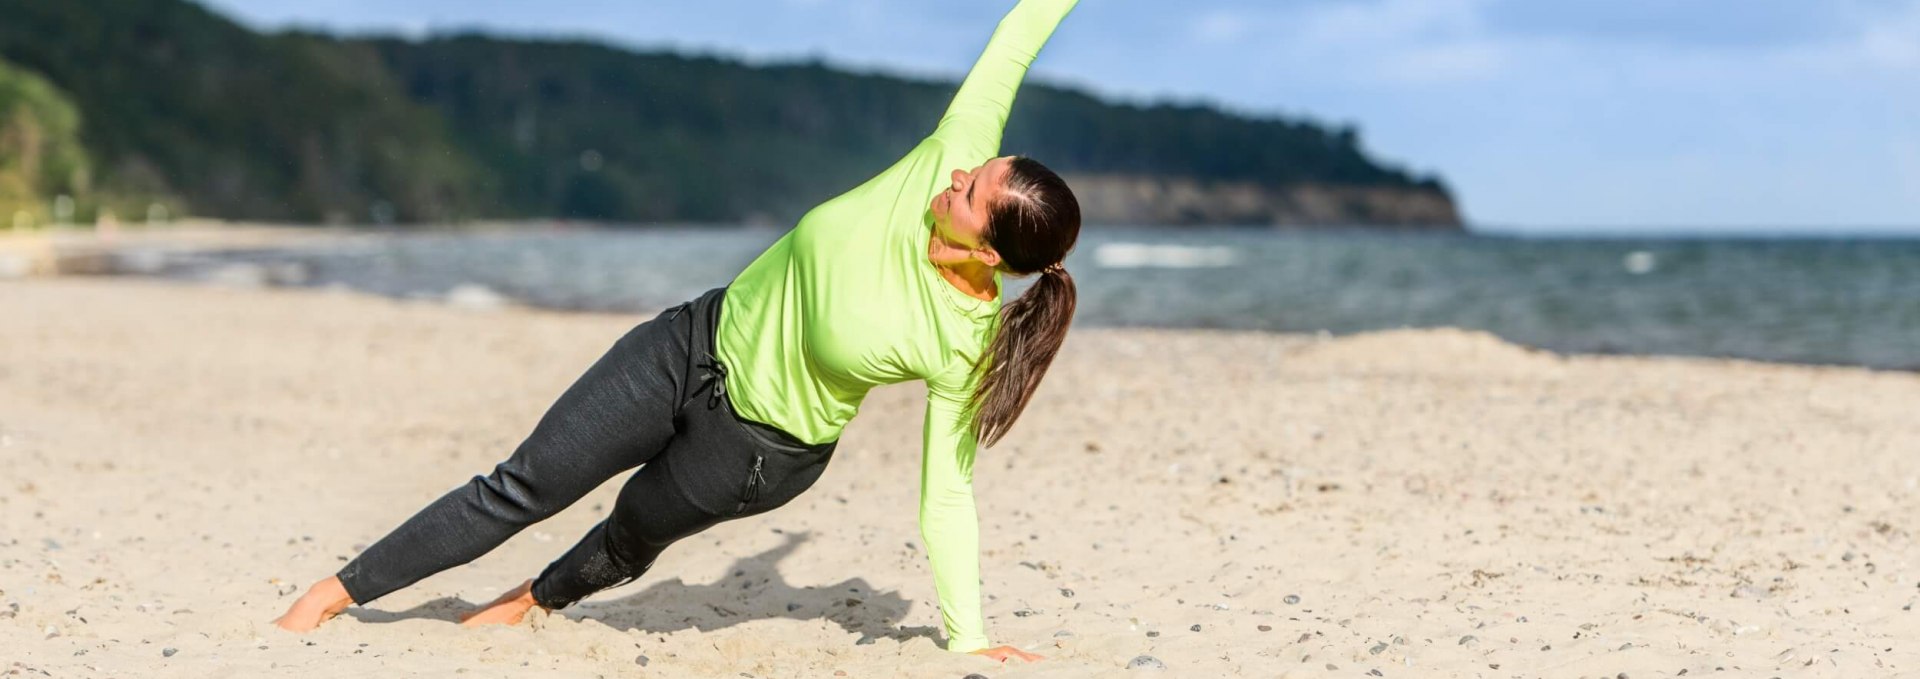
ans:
(356, 590)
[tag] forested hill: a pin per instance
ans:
(182, 106)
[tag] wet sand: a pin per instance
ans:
(179, 460)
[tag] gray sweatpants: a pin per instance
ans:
(656, 400)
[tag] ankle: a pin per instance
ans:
(330, 593)
(526, 595)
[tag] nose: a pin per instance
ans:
(958, 176)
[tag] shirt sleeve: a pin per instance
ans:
(978, 114)
(948, 522)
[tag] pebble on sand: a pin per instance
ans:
(1146, 662)
(1292, 599)
(168, 652)
(975, 676)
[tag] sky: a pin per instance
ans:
(1543, 116)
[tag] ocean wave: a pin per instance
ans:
(1147, 256)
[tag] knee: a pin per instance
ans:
(511, 496)
(631, 543)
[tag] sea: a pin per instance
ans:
(1852, 301)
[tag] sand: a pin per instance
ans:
(176, 461)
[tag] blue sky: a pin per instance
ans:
(1543, 115)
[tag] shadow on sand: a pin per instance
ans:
(444, 608)
(752, 590)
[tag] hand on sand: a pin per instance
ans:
(509, 609)
(325, 599)
(1001, 653)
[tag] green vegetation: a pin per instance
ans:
(178, 101)
(40, 152)
(300, 126)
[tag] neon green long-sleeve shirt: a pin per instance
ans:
(847, 301)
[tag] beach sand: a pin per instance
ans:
(178, 461)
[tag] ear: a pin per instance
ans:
(986, 255)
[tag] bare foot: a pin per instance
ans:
(1002, 653)
(325, 599)
(509, 609)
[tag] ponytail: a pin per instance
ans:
(1032, 329)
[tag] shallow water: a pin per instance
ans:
(1818, 301)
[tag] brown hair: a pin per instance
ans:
(1032, 226)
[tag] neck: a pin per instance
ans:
(971, 277)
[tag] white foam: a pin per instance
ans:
(1639, 262)
(475, 297)
(1146, 256)
(238, 275)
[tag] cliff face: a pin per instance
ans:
(1132, 199)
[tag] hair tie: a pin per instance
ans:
(1055, 268)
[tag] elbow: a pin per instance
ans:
(938, 510)
(957, 499)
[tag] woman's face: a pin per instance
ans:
(960, 214)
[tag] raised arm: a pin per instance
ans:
(978, 114)
(948, 522)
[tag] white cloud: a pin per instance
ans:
(1387, 23)
(1893, 43)
(1219, 27)
(1396, 41)
(1445, 63)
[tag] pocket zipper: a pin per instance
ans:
(754, 480)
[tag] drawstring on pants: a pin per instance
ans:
(715, 376)
(716, 379)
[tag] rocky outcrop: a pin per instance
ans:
(1132, 199)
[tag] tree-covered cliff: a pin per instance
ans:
(180, 102)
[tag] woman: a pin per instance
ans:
(731, 404)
